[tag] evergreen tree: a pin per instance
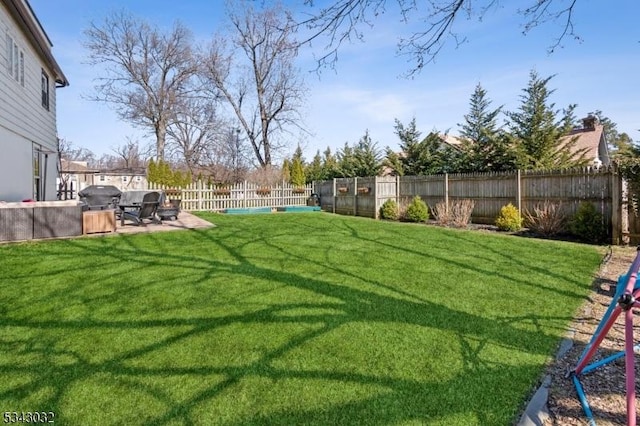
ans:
(480, 134)
(286, 170)
(329, 165)
(298, 178)
(541, 138)
(297, 172)
(315, 171)
(347, 165)
(152, 171)
(367, 157)
(421, 157)
(403, 163)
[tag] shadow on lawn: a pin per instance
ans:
(398, 399)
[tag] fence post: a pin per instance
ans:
(200, 192)
(446, 191)
(616, 208)
(398, 190)
(282, 200)
(376, 202)
(355, 196)
(244, 194)
(519, 191)
(335, 198)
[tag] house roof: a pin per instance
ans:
(588, 140)
(75, 167)
(28, 22)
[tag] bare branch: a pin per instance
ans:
(146, 71)
(342, 20)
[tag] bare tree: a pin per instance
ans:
(146, 71)
(130, 155)
(256, 76)
(191, 131)
(69, 151)
(342, 20)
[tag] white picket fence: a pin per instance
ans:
(199, 197)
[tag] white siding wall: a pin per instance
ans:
(23, 119)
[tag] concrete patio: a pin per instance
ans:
(185, 220)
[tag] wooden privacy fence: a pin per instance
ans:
(198, 196)
(489, 191)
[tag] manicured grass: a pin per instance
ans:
(285, 319)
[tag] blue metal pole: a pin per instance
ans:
(583, 400)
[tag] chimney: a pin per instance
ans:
(589, 122)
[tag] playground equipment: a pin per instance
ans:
(624, 300)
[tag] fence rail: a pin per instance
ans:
(198, 196)
(489, 191)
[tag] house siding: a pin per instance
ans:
(25, 124)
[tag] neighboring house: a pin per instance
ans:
(451, 141)
(76, 175)
(29, 77)
(591, 140)
(123, 179)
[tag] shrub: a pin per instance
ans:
(389, 210)
(587, 224)
(461, 212)
(509, 218)
(417, 211)
(547, 219)
(441, 213)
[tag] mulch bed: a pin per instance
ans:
(604, 387)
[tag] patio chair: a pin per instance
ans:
(146, 210)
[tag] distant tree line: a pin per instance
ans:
(535, 136)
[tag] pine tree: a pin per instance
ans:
(347, 166)
(537, 132)
(286, 170)
(329, 164)
(367, 157)
(298, 178)
(314, 171)
(421, 156)
(480, 134)
(152, 171)
(297, 172)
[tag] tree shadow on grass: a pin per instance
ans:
(399, 399)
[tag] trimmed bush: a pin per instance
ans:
(417, 211)
(509, 219)
(389, 210)
(587, 224)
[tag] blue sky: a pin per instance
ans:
(366, 91)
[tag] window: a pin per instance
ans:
(124, 179)
(45, 90)
(139, 178)
(36, 173)
(15, 60)
(22, 68)
(101, 178)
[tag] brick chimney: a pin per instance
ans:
(590, 122)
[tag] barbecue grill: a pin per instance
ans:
(100, 197)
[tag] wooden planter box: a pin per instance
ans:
(95, 221)
(263, 191)
(298, 190)
(343, 190)
(364, 190)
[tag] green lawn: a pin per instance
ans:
(285, 319)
